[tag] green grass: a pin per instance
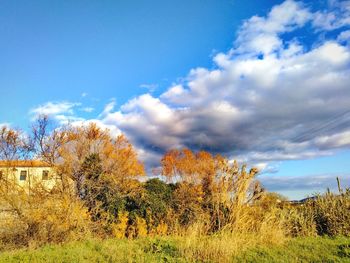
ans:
(167, 249)
(317, 249)
(112, 250)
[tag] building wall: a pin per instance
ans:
(34, 175)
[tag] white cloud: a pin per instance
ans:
(150, 87)
(176, 90)
(266, 99)
(5, 124)
(87, 109)
(108, 108)
(261, 34)
(316, 182)
(250, 107)
(341, 139)
(266, 168)
(67, 119)
(55, 108)
(344, 37)
(114, 131)
(337, 15)
(62, 112)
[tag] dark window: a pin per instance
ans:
(23, 176)
(45, 175)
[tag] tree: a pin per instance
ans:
(14, 145)
(118, 158)
(208, 185)
(158, 201)
(47, 140)
(34, 215)
(67, 147)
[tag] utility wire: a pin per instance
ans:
(329, 125)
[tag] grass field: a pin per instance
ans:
(170, 249)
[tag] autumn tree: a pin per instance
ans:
(212, 183)
(34, 215)
(67, 147)
(118, 158)
(14, 144)
(47, 140)
(89, 183)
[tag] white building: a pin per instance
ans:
(27, 172)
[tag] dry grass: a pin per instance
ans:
(222, 247)
(40, 217)
(332, 213)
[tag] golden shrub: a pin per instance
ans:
(119, 229)
(141, 227)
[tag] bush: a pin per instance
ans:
(41, 217)
(332, 214)
(300, 221)
(327, 214)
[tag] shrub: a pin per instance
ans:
(299, 221)
(332, 214)
(39, 217)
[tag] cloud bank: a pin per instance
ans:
(270, 98)
(318, 182)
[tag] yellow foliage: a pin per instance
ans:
(141, 227)
(119, 229)
(40, 217)
(162, 228)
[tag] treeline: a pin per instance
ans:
(101, 190)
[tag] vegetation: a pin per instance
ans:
(170, 249)
(207, 209)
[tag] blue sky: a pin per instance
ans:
(106, 49)
(265, 82)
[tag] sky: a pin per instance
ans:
(263, 82)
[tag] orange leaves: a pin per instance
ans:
(188, 166)
(66, 148)
(211, 181)
(118, 157)
(93, 132)
(169, 162)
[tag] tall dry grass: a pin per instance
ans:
(332, 213)
(252, 220)
(37, 217)
(326, 214)
(253, 228)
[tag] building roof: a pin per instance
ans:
(23, 163)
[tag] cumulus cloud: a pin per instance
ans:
(114, 130)
(67, 113)
(266, 100)
(337, 15)
(63, 112)
(261, 34)
(50, 108)
(344, 37)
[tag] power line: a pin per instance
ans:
(326, 126)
